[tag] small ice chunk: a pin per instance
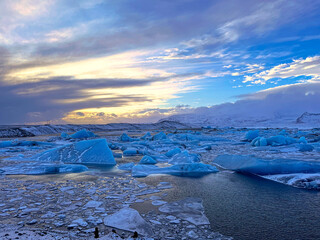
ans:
(130, 220)
(84, 133)
(189, 209)
(147, 160)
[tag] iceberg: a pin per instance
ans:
(82, 134)
(147, 136)
(173, 152)
(125, 138)
(34, 168)
(184, 157)
(258, 166)
(64, 135)
(259, 141)
(252, 134)
(159, 136)
(88, 151)
(147, 160)
(280, 140)
(130, 152)
(305, 148)
(126, 166)
(187, 170)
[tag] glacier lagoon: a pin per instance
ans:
(237, 205)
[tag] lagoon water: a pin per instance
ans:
(249, 207)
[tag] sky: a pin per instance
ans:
(103, 61)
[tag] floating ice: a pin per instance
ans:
(64, 135)
(186, 170)
(184, 157)
(250, 164)
(280, 140)
(83, 134)
(259, 141)
(299, 180)
(147, 160)
(126, 166)
(305, 148)
(34, 168)
(159, 136)
(173, 152)
(89, 151)
(252, 134)
(125, 138)
(147, 136)
(189, 209)
(130, 220)
(130, 152)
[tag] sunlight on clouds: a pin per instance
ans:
(31, 7)
(300, 67)
(158, 93)
(124, 65)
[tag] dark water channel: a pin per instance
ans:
(248, 207)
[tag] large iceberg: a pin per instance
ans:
(258, 166)
(187, 170)
(94, 151)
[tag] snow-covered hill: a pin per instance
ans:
(35, 130)
(306, 120)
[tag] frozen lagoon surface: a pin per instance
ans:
(243, 206)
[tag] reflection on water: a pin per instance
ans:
(248, 207)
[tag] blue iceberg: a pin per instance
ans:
(147, 160)
(94, 151)
(125, 138)
(147, 136)
(252, 134)
(82, 134)
(258, 166)
(126, 166)
(184, 157)
(185, 170)
(35, 168)
(173, 152)
(159, 136)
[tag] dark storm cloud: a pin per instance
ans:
(19, 103)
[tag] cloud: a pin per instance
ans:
(288, 101)
(309, 66)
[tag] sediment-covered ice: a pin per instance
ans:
(94, 151)
(299, 180)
